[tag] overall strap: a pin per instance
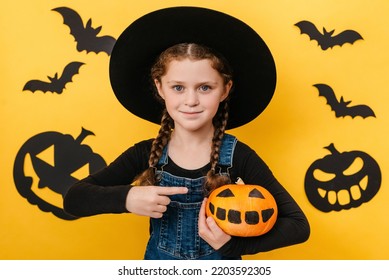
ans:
(163, 160)
(227, 150)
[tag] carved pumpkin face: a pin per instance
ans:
(48, 164)
(242, 210)
(342, 180)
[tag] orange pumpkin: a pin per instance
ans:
(242, 210)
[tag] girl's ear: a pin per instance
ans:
(158, 86)
(227, 90)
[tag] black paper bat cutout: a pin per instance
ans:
(56, 84)
(341, 108)
(86, 37)
(326, 40)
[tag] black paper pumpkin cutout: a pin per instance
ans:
(342, 180)
(56, 176)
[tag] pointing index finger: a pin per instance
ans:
(172, 190)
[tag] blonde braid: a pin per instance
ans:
(213, 179)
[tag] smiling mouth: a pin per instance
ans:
(344, 196)
(190, 113)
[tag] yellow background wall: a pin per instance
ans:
(289, 135)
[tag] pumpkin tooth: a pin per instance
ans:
(363, 183)
(221, 213)
(322, 192)
(343, 197)
(332, 197)
(355, 192)
(212, 208)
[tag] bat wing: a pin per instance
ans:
(363, 111)
(307, 27)
(73, 20)
(347, 36)
(98, 44)
(67, 75)
(327, 92)
(34, 85)
(105, 44)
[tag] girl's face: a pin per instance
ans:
(192, 91)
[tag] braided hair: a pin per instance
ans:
(194, 52)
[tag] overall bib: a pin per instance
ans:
(175, 235)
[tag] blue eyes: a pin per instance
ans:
(178, 88)
(202, 88)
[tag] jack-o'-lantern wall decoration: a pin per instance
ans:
(342, 180)
(331, 88)
(242, 210)
(48, 164)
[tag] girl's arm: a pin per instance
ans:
(106, 191)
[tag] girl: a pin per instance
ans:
(167, 178)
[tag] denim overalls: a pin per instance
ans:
(175, 235)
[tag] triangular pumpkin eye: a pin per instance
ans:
(226, 193)
(256, 193)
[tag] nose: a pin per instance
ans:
(191, 98)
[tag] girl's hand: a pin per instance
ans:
(151, 201)
(210, 231)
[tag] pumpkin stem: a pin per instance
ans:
(332, 149)
(239, 181)
(84, 133)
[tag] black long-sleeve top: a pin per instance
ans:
(106, 192)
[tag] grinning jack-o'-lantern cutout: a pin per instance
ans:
(48, 163)
(242, 210)
(342, 180)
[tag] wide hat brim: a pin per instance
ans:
(139, 45)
